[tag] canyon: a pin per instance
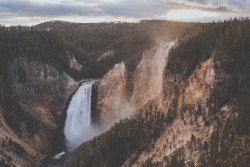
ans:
(35, 97)
(186, 96)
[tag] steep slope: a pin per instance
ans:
(202, 115)
(185, 102)
(34, 84)
(35, 96)
(116, 100)
(205, 105)
(148, 75)
(14, 150)
(112, 96)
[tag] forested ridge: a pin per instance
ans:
(228, 45)
(128, 40)
(45, 47)
(50, 42)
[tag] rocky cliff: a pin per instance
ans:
(74, 65)
(113, 97)
(192, 126)
(191, 109)
(35, 98)
(116, 100)
(185, 100)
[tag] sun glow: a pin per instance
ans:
(189, 14)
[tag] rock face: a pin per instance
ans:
(185, 99)
(73, 63)
(194, 125)
(187, 95)
(35, 100)
(116, 101)
(189, 92)
(148, 76)
(113, 97)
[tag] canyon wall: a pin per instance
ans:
(34, 102)
(185, 100)
(193, 122)
(115, 98)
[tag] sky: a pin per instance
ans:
(32, 12)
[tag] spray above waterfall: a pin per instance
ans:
(78, 127)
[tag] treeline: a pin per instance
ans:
(48, 43)
(129, 136)
(128, 40)
(46, 47)
(228, 44)
(228, 41)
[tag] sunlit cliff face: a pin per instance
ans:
(189, 15)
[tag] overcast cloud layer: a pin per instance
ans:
(27, 12)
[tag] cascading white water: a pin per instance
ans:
(78, 127)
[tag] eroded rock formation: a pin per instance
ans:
(184, 99)
(116, 101)
(34, 103)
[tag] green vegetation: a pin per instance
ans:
(227, 43)
(42, 46)
(125, 138)
(49, 42)
(238, 152)
(128, 40)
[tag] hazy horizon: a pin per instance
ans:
(32, 12)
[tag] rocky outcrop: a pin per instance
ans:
(73, 63)
(183, 97)
(185, 137)
(186, 101)
(182, 93)
(35, 100)
(148, 76)
(115, 98)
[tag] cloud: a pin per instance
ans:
(139, 9)
(26, 8)
(240, 5)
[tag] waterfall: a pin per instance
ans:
(78, 127)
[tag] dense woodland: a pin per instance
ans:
(228, 43)
(128, 40)
(43, 46)
(49, 42)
